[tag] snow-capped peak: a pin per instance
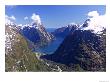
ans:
(95, 23)
(35, 25)
(20, 25)
(72, 23)
(32, 25)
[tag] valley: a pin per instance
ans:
(72, 47)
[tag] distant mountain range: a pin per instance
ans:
(65, 30)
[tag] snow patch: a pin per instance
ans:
(73, 23)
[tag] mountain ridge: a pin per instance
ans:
(83, 47)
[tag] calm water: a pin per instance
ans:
(49, 49)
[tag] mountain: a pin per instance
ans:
(36, 33)
(83, 49)
(65, 30)
(18, 56)
(94, 24)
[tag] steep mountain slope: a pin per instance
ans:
(36, 33)
(64, 31)
(84, 48)
(18, 57)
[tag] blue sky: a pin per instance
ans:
(53, 16)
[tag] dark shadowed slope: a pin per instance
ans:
(82, 48)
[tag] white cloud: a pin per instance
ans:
(97, 19)
(10, 19)
(36, 18)
(97, 22)
(93, 14)
(7, 20)
(25, 18)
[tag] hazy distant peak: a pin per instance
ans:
(72, 23)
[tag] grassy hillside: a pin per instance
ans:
(19, 57)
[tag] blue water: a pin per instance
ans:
(51, 47)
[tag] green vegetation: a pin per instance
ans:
(21, 58)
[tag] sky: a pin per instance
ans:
(52, 16)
